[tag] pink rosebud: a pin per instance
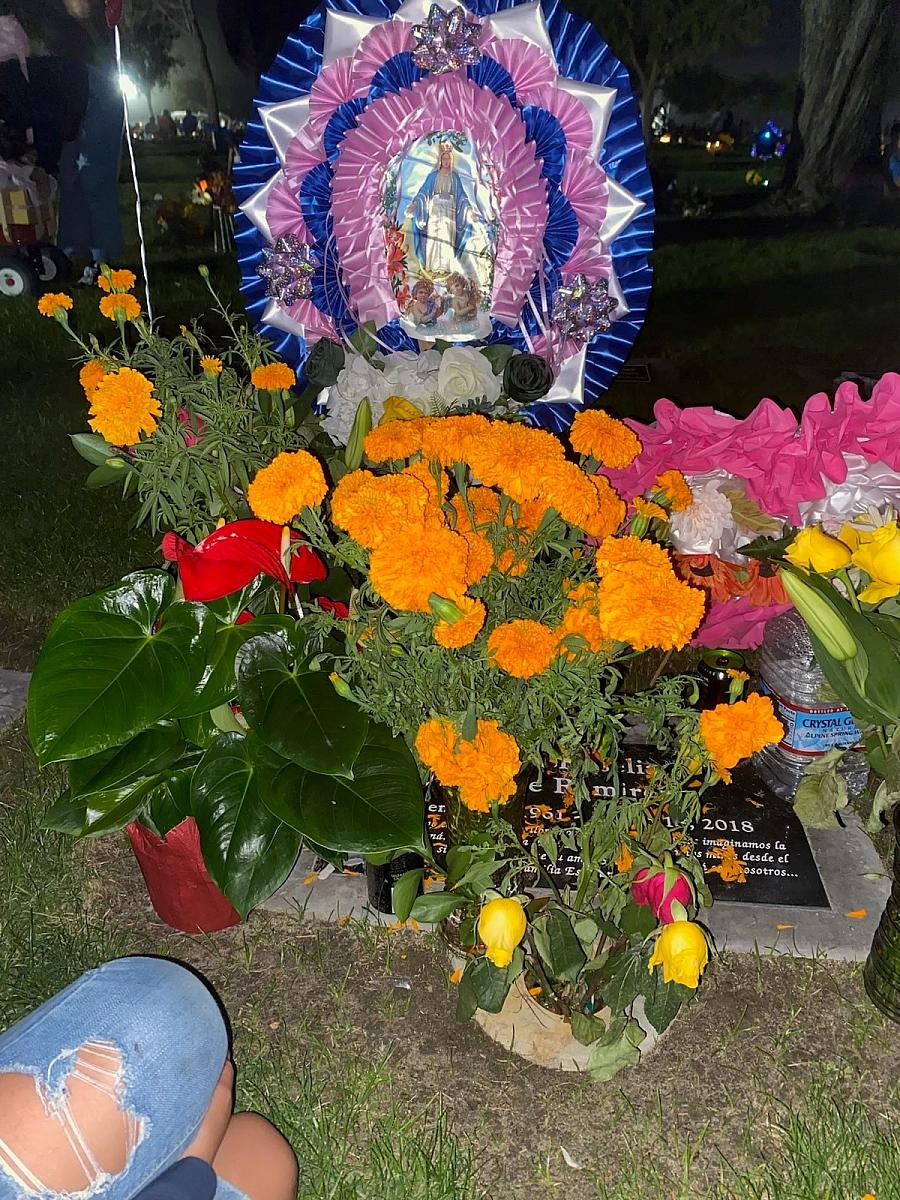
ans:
(649, 888)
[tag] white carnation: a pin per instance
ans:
(707, 526)
(359, 378)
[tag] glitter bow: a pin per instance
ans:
(447, 41)
(582, 309)
(288, 270)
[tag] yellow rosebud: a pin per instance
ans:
(879, 557)
(814, 549)
(501, 927)
(398, 408)
(682, 952)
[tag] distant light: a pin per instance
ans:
(665, 138)
(128, 86)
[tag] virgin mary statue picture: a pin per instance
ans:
(440, 234)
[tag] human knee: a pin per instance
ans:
(262, 1142)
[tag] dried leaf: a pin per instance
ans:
(748, 514)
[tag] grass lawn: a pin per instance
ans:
(780, 1082)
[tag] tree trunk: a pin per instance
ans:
(841, 45)
(648, 82)
(209, 82)
(148, 96)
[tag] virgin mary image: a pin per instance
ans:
(442, 212)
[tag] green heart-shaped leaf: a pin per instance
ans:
(381, 808)
(114, 664)
(297, 713)
(248, 850)
(146, 754)
(219, 684)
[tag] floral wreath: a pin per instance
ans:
(539, 95)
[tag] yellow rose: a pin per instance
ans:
(396, 408)
(501, 927)
(682, 952)
(879, 557)
(814, 549)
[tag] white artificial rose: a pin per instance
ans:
(357, 379)
(465, 374)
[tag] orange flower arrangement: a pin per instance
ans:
(123, 407)
(595, 434)
(54, 304)
(730, 732)
(90, 375)
(211, 365)
(675, 489)
(483, 770)
(452, 636)
(273, 377)
(582, 620)
(123, 279)
(450, 440)
(611, 509)
(118, 305)
(523, 648)
(290, 482)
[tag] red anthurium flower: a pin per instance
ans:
(338, 607)
(232, 556)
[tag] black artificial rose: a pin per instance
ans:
(324, 363)
(527, 377)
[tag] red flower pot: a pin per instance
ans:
(177, 880)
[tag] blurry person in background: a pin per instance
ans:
(892, 161)
(167, 127)
(189, 124)
(89, 223)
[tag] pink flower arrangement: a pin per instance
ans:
(649, 889)
(785, 466)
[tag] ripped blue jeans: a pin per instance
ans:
(143, 1032)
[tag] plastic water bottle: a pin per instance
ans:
(790, 674)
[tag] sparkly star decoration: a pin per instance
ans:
(582, 309)
(447, 41)
(288, 270)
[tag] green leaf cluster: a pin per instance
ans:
(164, 709)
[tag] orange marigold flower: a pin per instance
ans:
(90, 375)
(290, 482)
(523, 648)
(272, 377)
(425, 473)
(582, 620)
(120, 304)
(641, 600)
(675, 488)
(596, 434)
(611, 509)
(731, 732)
(515, 459)
(124, 279)
(123, 407)
(395, 440)
(464, 631)
(624, 860)
(413, 562)
(511, 563)
(53, 303)
(647, 508)
(373, 507)
(436, 745)
(450, 440)
(570, 492)
(484, 770)
(211, 365)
